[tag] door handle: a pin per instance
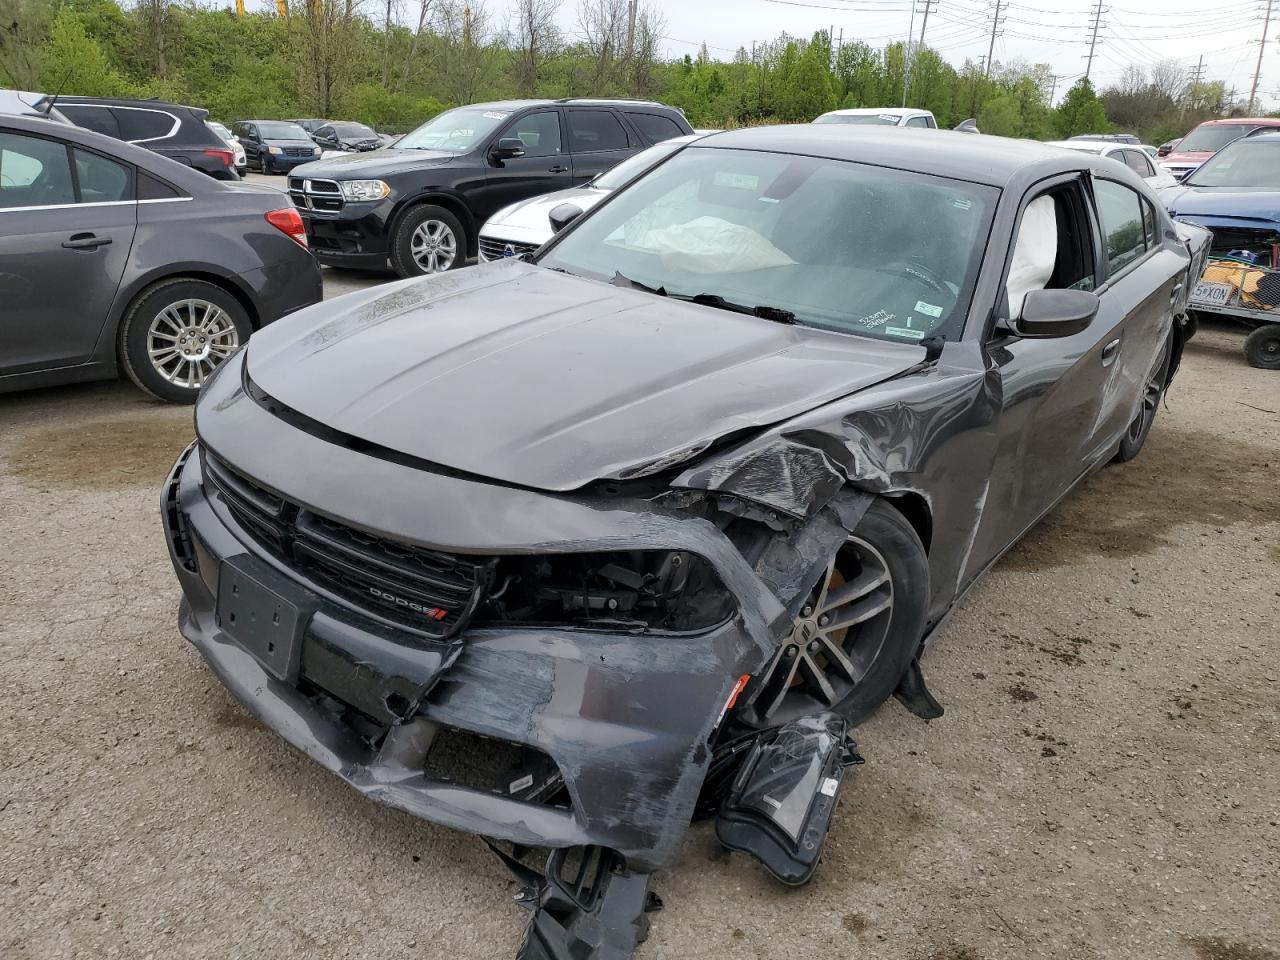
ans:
(557, 169)
(85, 241)
(1109, 351)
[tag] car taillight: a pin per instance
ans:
(227, 157)
(289, 222)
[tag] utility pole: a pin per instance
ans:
(991, 48)
(1257, 73)
(1053, 89)
(928, 6)
(631, 28)
(1194, 79)
(1095, 23)
(906, 53)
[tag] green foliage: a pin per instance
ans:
(387, 110)
(1080, 112)
(73, 61)
(806, 89)
(1001, 116)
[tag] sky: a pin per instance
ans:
(1055, 32)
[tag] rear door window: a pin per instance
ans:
(101, 179)
(34, 172)
(594, 130)
(918, 122)
(656, 128)
(100, 119)
(1120, 209)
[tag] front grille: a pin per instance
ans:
(428, 591)
(316, 196)
(299, 152)
(491, 248)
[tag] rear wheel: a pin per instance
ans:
(1262, 347)
(858, 630)
(1152, 390)
(177, 333)
(429, 239)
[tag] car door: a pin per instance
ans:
(327, 138)
(1138, 161)
(544, 166)
(67, 221)
(1142, 281)
(249, 140)
(1051, 390)
(597, 140)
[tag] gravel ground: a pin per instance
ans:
(1104, 783)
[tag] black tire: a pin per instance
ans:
(1262, 347)
(1139, 428)
(424, 216)
(886, 533)
(142, 330)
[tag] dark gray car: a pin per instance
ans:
(112, 256)
(566, 551)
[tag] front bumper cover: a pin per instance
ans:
(626, 718)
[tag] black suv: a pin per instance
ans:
(421, 204)
(169, 129)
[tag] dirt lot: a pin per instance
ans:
(1105, 782)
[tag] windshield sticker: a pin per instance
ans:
(905, 332)
(741, 181)
(495, 115)
(961, 203)
(928, 308)
(889, 116)
(877, 319)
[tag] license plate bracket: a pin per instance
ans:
(255, 611)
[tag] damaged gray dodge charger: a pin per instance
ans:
(567, 551)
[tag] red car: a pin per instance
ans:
(1210, 137)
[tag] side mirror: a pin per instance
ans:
(563, 215)
(509, 148)
(1055, 313)
(967, 126)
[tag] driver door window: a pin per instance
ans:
(539, 132)
(33, 172)
(1053, 249)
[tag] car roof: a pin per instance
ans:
(877, 111)
(565, 101)
(188, 178)
(974, 157)
(1256, 121)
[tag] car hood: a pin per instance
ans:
(273, 142)
(1198, 156)
(1223, 205)
(532, 214)
(527, 376)
(374, 163)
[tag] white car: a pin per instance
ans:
(524, 226)
(241, 164)
(882, 116)
(1134, 156)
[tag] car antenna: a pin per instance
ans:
(57, 93)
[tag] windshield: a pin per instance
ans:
(353, 130)
(455, 130)
(632, 167)
(1206, 139)
(219, 129)
(1246, 163)
(885, 119)
(281, 130)
(842, 246)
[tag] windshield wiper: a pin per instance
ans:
(761, 310)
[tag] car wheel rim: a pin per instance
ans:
(1150, 399)
(433, 246)
(837, 637)
(188, 339)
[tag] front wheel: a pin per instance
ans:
(1262, 347)
(177, 333)
(858, 630)
(429, 239)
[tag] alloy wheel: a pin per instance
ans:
(835, 639)
(1151, 393)
(187, 340)
(433, 246)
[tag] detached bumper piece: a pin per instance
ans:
(779, 807)
(587, 906)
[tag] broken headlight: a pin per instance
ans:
(638, 590)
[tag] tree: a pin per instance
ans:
(326, 40)
(807, 89)
(156, 32)
(1080, 112)
(532, 38)
(24, 24)
(72, 59)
